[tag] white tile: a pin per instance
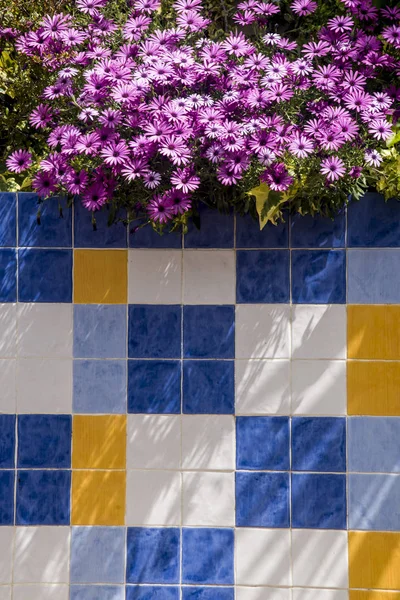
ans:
(262, 593)
(263, 557)
(209, 499)
(319, 387)
(209, 276)
(262, 331)
(262, 387)
(8, 330)
(154, 442)
(5, 592)
(8, 385)
(41, 555)
(155, 276)
(319, 331)
(153, 498)
(6, 545)
(312, 594)
(208, 442)
(45, 330)
(44, 385)
(320, 558)
(40, 592)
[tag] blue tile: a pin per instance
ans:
(319, 276)
(8, 275)
(44, 441)
(154, 386)
(53, 231)
(7, 441)
(8, 219)
(97, 592)
(216, 230)
(262, 500)
(207, 593)
(6, 498)
(97, 555)
(249, 234)
(319, 444)
(43, 497)
(99, 331)
(372, 222)
(207, 556)
(209, 387)
(262, 443)
(154, 331)
(319, 501)
(262, 276)
(374, 502)
(99, 386)
(373, 276)
(318, 232)
(146, 237)
(103, 235)
(152, 555)
(45, 275)
(152, 592)
(209, 332)
(382, 435)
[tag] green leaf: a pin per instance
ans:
(268, 204)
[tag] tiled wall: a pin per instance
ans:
(206, 420)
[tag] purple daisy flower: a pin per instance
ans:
(303, 7)
(19, 161)
(115, 153)
(41, 117)
(44, 184)
(160, 209)
(372, 158)
(380, 129)
(333, 167)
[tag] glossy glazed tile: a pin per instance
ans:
(153, 555)
(8, 219)
(100, 276)
(8, 330)
(44, 330)
(154, 386)
(262, 443)
(200, 394)
(208, 499)
(154, 442)
(319, 331)
(208, 442)
(318, 276)
(262, 500)
(318, 501)
(262, 331)
(43, 275)
(373, 276)
(249, 235)
(208, 277)
(99, 442)
(51, 591)
(372, 388)
(99, 386)
(97, 555)
(374, 502)
(252, 548)
(8, 275)
(318, 594)
(373, 222)
(44, 441)
(153, 498)
(98, 498)
(262, 276)
(43, 497)
(373, 595)
(7, 441)
(373, 560)
(152, 592)
(207, 593)
(317, 232)
(8, 384)
(97, 592)
(155, 277)
(319, 387)
(154, 331)
(208, 331)
(319, 444)
(259, 593)
(373, 332)
(100, 331)
(7, 497)
(146, 237)
(5, 592)
(320, 558)
(7, 535)
(216, 230)
(45, 384)
(101, 235)
(208, 556)
(41, 555)
(382, 434)
(54, 228)
(262, 387)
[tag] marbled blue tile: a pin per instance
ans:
(216, 230)
(8, 275)
(262, 499)
(100, 236)
(381, 435)
(372, 222)
(208, 387)
(207, 556)
(43, 497)
(97, 555)
(146, 237)
(208, 593)
(318, 276)
(318, 501)
(6, 498)
(318, 232)
(154, 386)
(319, 444)
(7, 441)
(53, 231)
(152, 592)
(262, 443)
(249, 234)
(8, 219)
(44, 441)
(99, 386)
(374, 502)
(154, 331)
(209, 332)
(97, 592)
(44, 275)
(373, 276)
(152, 555)
(99, 331)
(262, 276)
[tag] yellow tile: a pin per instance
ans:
(100, 276)
(98, 498)
(373, 332)
(374, 560)
(99, 442)
(373, 595)
(373, 388)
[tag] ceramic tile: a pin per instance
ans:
(207, 556)
(320, 558)
(319, 444)
(208, 499)
(6, 497)
(262, 443)
(152, 592)
(54, 228)
(7, 441)
(147, 237)
(8, 219)
(44, 330)
(99, 442)
(318, 276)
(382, 435)
(208, 442)
(5, 592)
(43, 497)
(155, 277)
(372, 595)
(319, 501)
(8, 275)
(260, 593)
(6, 541)
(41, 555)
(97, 555)
(97, 592)
(154, 442)
(249, 235)
(256, 564)
(8, 385)
(98, 498)
(8, 330)
(208, 332)
(317, 232)
(200, 394)
(45, 384)
(372, 388)
(44, 275)
(207, 593)
(374, 559)
(208, 277)
(319, 387)
(262, 500)
(319, 331)
(154, 386)
(262, 331)
(100, 276)
(100, 236)
(373, 222)
(100, 331)
(373, 276)
(374, 502)
(310, 594)
(152, 555)
(153, 498)
(216, 230)
(44, 441)
(262, 387)
(99, 386)
(373, 332)
(41, 592)
(154, 331)
(262, 276)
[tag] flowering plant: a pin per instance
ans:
(156, 110)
